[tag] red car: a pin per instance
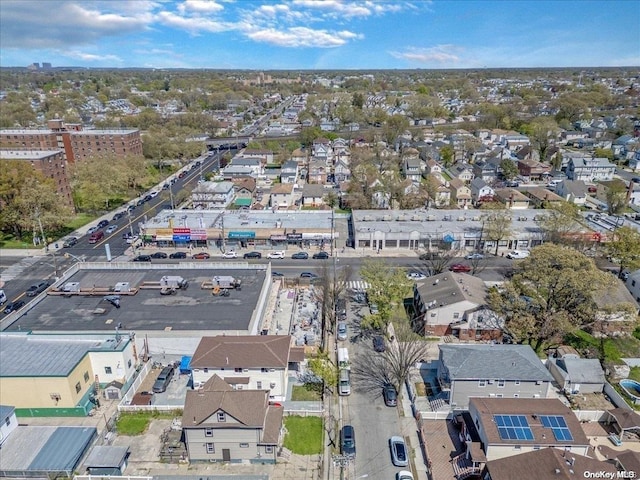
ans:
(460, 267)
(201, 256)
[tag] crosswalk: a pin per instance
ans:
(358, 286)
(16, 269)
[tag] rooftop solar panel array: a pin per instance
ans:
(513, 427)
(558, 426)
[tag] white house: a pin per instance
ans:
(210, 195)
(8, 421)
(590, 169)
(250, 362)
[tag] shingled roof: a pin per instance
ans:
(248, 351)
(488, 361)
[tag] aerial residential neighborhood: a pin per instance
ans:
(256, 240)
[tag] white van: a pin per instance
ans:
(3, 297)
(343, 358)
(344, 385)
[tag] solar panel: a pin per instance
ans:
(513, 427)
(558, 426)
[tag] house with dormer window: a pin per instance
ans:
(224, 424)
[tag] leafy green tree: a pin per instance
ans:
(324, 369)
(624, 249)
(604, 153)
(388, 288)
(309, 134)
(393, 127)
(446, 155)
(27, 196)
(509, 169)
(542, 132)
(550, 295)
(616, 196)
(561, 223)
(496, 224)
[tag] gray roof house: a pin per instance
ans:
(491, 370)
(574, 191)
(577, 375)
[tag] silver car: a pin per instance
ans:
(342, 331)
(399, 455)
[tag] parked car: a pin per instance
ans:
(378, 344)
(342, 331)
(159, 255)
(95, 237)
(390, 395)
(475, 256)
(460, 267)
(37, 288)
(92, 230)
(398, 449)
(142, 258)
(348, 441)
(117, 216)
(308, 275)
(201, 256)
(178, 255)
(132, 239)
(404, 475)
(163, 380)
(103, 223)
(230, 254)
(13, 306)
(111, 228)
(300, 256)
(518, 254)
(153, 193)
(277, 274)
(252, 255)
(69, 242)
(320, 256)
(277, 254)
(416, 276)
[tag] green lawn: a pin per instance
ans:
(635, 374)
(9, 241)
(133, 424)
(614, 348)
(305, 393)
(304, 435)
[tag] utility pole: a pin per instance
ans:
(44, 238)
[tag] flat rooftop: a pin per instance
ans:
(193, 309)
(27, 154)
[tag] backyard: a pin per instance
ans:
(304, 435)
(132, 424)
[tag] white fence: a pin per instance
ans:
(591, 415)
(109, 477)
(149, 408)
(142, 374)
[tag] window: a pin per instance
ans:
(500, 383)
(86, 377)
(129, 363)
(244, 445)
(482, 383)
(221, 417)
(237, 370)
(259, 385)
(107, 370)
(516, 395)
(210, 448)
(517, 382)
(268, 449)
(206, 370)
(517, 447)
(78, 387)
(208, 432)
(456, 315)
(7, 421)
(499, 395)
(264, 370)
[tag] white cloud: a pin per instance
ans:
(337, 7)
(91, 57)
(28, 24)
(302, 37)
(200, 6)
(439, 54)
(192, 24)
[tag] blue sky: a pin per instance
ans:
(320, 34)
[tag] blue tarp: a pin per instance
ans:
(185, 365)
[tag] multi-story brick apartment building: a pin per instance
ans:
(75, 142)
(50, 163)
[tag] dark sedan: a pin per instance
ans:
(252, 255)
(320, 256)
(159, 255)
(300, 256)
(178, 255)
(13, 306)
(142, 258)
(390, 396)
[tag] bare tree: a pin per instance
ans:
(437, 262)
(331, 286)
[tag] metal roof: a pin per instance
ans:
(33, 355)
(106, 456)
(45, 448)
(5, 412)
